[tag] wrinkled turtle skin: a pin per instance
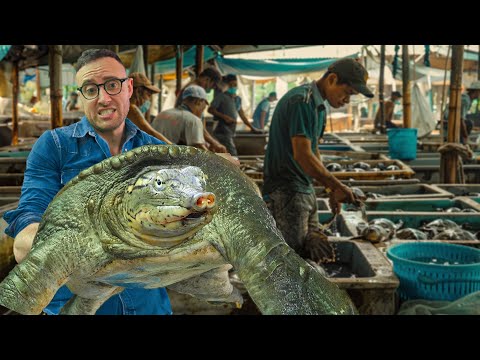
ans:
(130, 221)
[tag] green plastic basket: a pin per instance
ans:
(435, 271)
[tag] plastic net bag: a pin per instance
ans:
(468, 305)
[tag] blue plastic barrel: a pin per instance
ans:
(402, 143)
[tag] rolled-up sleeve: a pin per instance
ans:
(42, 181)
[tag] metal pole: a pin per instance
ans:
(55, 65)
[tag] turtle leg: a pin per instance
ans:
(88, 298)
(31, 285)
(213, 285)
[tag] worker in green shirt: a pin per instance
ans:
(292, 159)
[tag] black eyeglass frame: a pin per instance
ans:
(98, 88)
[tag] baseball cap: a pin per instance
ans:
(141, 80)
(273, 94)
(474, 86)
(196, 92)
(353, 73)
(396, 93)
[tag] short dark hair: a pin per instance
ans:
(229, 77)
(93, 54)
(211, 73)
(341, 79)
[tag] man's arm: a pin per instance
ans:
(42, 181)
(214, 144)
(246, 122)
(312, 165)
(136, 116)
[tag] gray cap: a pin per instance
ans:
(474, 86)
(196, 92)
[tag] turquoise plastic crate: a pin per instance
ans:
(435, 271)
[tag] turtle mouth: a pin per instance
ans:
(195, 216)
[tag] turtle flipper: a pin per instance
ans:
(31, 285)
(213, 286)
(88, 298)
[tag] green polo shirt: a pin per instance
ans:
(301, 112)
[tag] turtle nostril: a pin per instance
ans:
(202, 201)
(210, 200)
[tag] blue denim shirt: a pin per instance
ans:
(57, 157)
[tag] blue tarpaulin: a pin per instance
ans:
(169, 66)
(4, 50)
(277, 67)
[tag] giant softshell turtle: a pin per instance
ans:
(165, 216)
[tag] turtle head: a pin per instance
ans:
(167, 205)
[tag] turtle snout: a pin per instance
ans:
(203, 201)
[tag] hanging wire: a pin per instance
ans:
(442, 109)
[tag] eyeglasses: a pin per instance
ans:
(112, 87)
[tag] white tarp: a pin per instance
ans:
(422, 116)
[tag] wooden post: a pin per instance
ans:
(115, 48)
(451, 160)
(253, 98)
(37, 81)
(407, 95)
(55, 65)
(160, 98)
(442, 111)
(478, 64)
(199, 60)
(15, 88)
(179, 69)
(381, 87)
(145, 58)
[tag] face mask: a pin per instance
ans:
(232, 90)
(145, 106)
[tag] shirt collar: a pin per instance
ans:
(317, 98)
(83, 127)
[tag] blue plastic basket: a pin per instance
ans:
(435, 271)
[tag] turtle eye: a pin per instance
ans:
(159, 184)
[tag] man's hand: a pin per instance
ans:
(342, 194)
(257, 131)
(23, 241)
(218, 148)
(230, 158)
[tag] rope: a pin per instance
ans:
(462, 151)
